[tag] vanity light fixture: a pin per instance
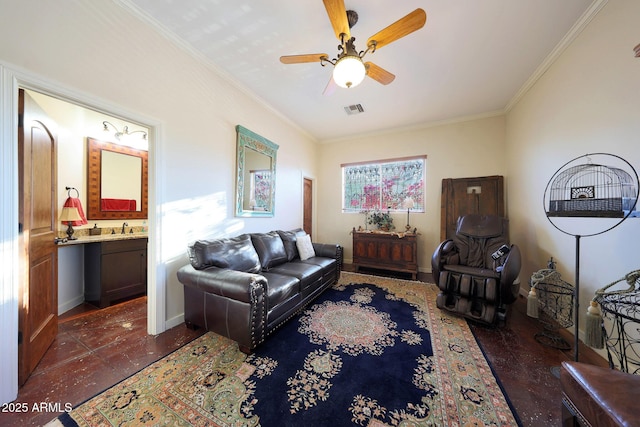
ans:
(69, 215)
(125, 131)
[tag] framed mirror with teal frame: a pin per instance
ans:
(256, 174)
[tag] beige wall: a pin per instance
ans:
(588, 101)
(466, 149)
(98, 50)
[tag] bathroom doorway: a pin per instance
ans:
(74, 122)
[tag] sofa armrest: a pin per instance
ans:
(228, 302)
(227, 283)
(328, 251)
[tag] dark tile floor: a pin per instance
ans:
(97, 348)
(526, 368)
(94, 349)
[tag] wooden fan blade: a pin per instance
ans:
(299, 59)
(338, 17)
(402, 27)
(379, 74)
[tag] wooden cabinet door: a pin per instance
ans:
(115, 270)
(463, 196)
(386, 252)
(123, 274)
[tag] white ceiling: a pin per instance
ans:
(472, 57)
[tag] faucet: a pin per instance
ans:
(123, 226)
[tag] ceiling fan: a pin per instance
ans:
(349, 69)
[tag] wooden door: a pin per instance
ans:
(462, 196)
(38, 299)
(307, 211)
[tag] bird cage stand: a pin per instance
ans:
(555, 307)
(588, 189)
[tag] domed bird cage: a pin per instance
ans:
(597, 185)
(591, 190)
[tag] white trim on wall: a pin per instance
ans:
(8, 236)
(156, 269)
(11, 80)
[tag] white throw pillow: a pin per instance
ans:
(305, 248)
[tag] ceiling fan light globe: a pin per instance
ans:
(349, 71)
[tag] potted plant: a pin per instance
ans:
(382, 220)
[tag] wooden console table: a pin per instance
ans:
(386, 251)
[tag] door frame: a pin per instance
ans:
(314, 226)
(11, 80)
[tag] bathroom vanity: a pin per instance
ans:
(114, 270)
(115, 266)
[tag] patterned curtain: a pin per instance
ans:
(383, 186)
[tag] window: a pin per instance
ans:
(383, 185)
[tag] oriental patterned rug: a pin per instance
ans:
(371, 351)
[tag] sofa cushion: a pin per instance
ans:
(283, 296)
(307, 273)
(270, 249)
(327, 264)
(280, 288)
(235, 253)
(305, 247)
(289, 240)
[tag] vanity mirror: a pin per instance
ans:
(117, 181)
(256, 179)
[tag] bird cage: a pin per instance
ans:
(621, 325)
(555, 307)
(606, 189)
(592, 190)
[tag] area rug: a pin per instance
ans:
(371, 351)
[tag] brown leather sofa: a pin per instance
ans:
(477, 269)
(247, 286)
(597, 396)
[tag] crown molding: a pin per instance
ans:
(566, 41)
(417, 127)
(202, 59)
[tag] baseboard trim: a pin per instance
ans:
(66, 306)
(174, 321)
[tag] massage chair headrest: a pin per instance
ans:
(481, 226)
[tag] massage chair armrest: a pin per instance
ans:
(445, 253)
(509, 274)
(510, 268)
(237, 285)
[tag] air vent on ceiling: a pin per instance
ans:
(354, 109)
